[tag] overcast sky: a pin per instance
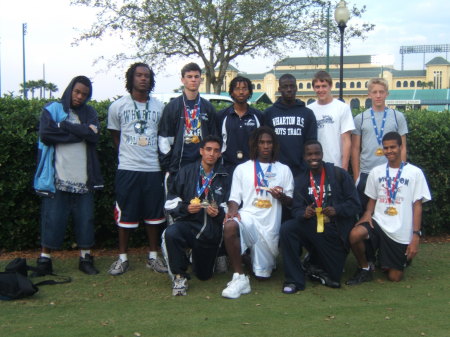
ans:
(54, 24)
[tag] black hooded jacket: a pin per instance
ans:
(52, 132)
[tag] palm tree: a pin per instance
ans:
(42, 86)
(51, 87)
(30, 86)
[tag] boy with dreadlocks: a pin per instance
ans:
(133, 121)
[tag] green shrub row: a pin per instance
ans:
(428, 148)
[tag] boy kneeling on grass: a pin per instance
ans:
(393, 216)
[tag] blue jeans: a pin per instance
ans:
(55, 214)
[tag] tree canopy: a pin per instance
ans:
(217, 31)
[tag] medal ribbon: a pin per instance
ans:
(191, 115)
(392, 189)
(206, 182)
(137, 110)
(378, 135)
(260, 179)
(318, 197)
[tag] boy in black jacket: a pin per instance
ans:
(196, 201)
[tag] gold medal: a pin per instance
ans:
(391, 211)
(379, 152)
(142, 141)
(195, 201)
(187, 139)
(262, 203)
(320, 220)
(326, 219)
(239, 155)
(195, 139)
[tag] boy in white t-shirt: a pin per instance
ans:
(334, 122)
(393, 216)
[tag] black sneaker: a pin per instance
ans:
(44, 267)
(360, 276)
(86, 265)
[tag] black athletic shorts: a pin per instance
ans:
(139, 196)
(391, 254)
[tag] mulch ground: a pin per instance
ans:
(32, 254)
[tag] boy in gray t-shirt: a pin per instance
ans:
(370, 126)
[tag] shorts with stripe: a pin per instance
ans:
(139, 196)
(391, 254)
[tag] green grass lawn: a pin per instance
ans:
(139, 303)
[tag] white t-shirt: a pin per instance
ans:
(267, 220)
(412, 186)
(333, 119)
(138, 150)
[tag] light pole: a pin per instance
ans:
(341, 15)
(24, 32)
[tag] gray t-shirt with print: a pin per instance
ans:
(138, 126)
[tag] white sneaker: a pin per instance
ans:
(118, 267)
(179, 286)
(221, 265)
(239, 285)
(158, 265)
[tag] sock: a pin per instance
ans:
(123, 257)
(153, 255)
(47, 255)
(83, 252)
(366, 268)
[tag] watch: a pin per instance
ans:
(419, 233)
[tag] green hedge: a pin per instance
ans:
(428, 148)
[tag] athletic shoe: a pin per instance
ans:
(325, 279)
(239, 285)
(289, 288)
(44, 267)
(221, 264)
(158, 265)
(118, 267)
(360, 276)
(179, 286)
(86, 265)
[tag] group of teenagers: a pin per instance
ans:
(237, 185)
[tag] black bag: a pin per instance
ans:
(15, 284)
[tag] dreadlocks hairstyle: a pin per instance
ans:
(240, 79)
(255, 136)
(130, 76)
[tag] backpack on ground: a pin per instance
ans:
(15, 284)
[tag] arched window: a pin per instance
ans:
(398, 84)
(419, 84)
(308, 85)
(352, 85)
(358, 85)
(338, 85)
(405, 84)
(344, 85)
(354, 103)
(368, 103)
(253, 86)
(412, 84)
(258, 86)
(300, 85)
(367, 84)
